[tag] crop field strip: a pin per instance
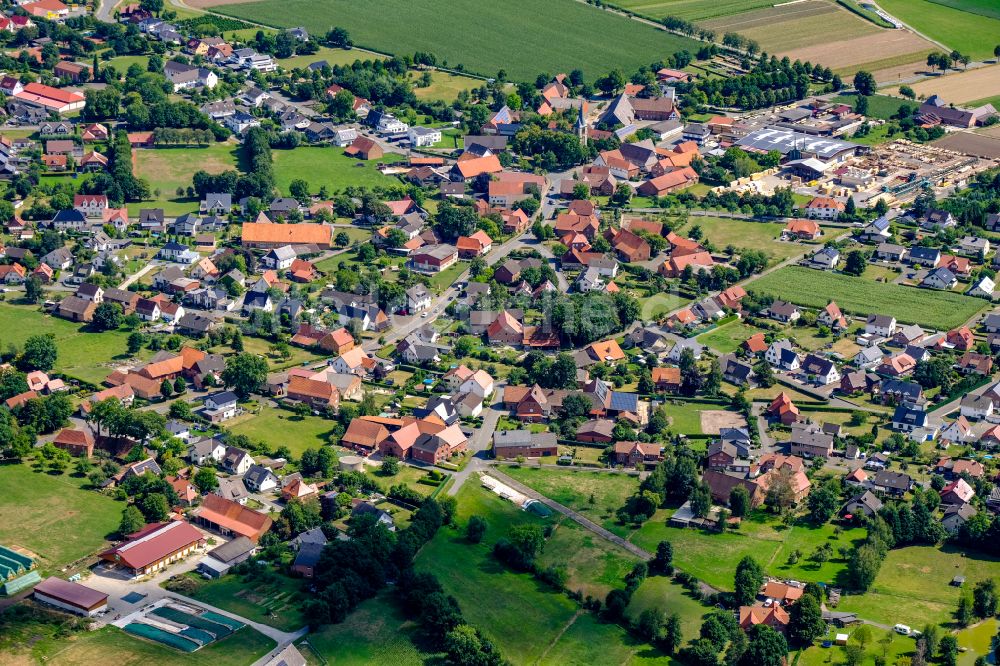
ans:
(959, 24)
(691, 10)
(560, 36)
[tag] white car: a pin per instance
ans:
(902, 629)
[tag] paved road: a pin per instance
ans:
(138, 275)
(480, 442)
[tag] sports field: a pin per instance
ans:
(561, 34)
(53, 516)
(971, 26)
(814, 289)
(328, 166)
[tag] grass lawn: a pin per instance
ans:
(57, 519)
(595, 566)
(657, 305)
(85, 355)
(446, 86)
(746, 234)
(811, 288)
(560, 38)
(277, 604)
(590, 641)
(408, 476)
(377, 632)
(887, 644)
(659, 592)
(879, 106)
(499, 602)
(331, 56)
(728, 337)
(122, 63)
(685, 417)
(328, 166)
(276, 426)
(241, 648)
(166, 169)
(574, 490)
(913, 585)
(712, 557)
(971, 33)
(441, 281)
(261, 348)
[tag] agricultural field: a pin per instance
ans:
(328, 166)
(276, 427)
(89, 358)
(241, 648)
(970, 26)
(58, 520)
(960, 87)
(166, 169)
(691, 10)
(814, 289)
(559, 36)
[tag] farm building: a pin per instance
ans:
(71, 597)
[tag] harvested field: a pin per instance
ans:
(960, 87)
(971, 144)
(714, 420)
(896, 69)
(870, 48)
(782, 30)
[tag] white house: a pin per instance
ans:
(825, 258)
(179, 253)
(221, 406)
(418, 298)
(781, 355)
(882, 325)
(983, 287)
(590, 280)
(480, 383)
(423, 137)
(976, 407)
(821, 371)
(280, 258)
(260, 479)
(940, 278)
(204, 450)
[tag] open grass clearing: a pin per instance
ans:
(970, 33)
(661, 593)
(712, 557)
(884, 644)
(328, 166)
(56, 519)
(446, 86)
(243, 647)
(276, 427)
(559, 37)
(576, 489)
(166, 169)
(595, 566)
(329, 55)
(914, 584)
(882, 106)
(728, 337)
(377, 632)
(814, 289)
(745, 234)
(656, 306)
(83, 355)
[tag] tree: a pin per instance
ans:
(390, 466)
(984, 598)
(805, 622)
(823, 503)
(671, 635)
(245, 373)
(467, 646)
(205, 480)
(948, 648)
(766, 647)
(439, 615)
(907, 92)
(166, 388)
(476, 528)
(862, 636)
(663, 561)
(33, 291)
(701, 500)
(931, 635)
(155, 507)
(108, 316)
(739, 501)
(132, 521)
(522, 545)
(865, 83)
(39, 353)
(615, 604)
(749, 578)
(856, 262)
(713, 379)
(963, 614)
(135, 342)
(863, 566)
